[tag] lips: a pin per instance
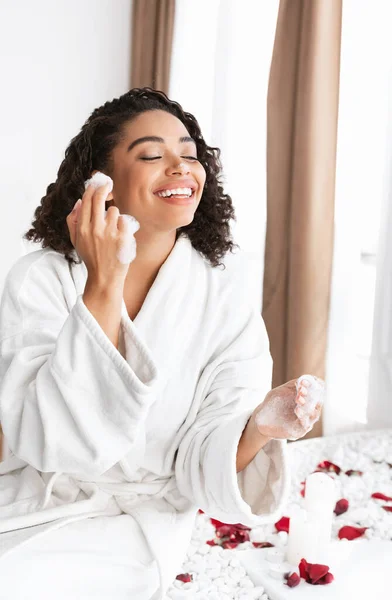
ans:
(174, 185)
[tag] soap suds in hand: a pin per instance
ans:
(281, 417)
(127, 252)
(316, 391)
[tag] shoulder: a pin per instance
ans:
(36, 277)
(38, 264)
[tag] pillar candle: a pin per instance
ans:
(303, 540)
(310, 527)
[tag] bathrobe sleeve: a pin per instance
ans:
(69, 401)
(234, 384)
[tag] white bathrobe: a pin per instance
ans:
(150, 430)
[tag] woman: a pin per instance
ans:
(130, 387)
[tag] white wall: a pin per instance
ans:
(58, 61)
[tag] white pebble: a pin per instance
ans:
(203, 583)
(247, 583)
(213, 573)
(204, 549)
(191, 585)
(237, 573)
(234, 562)
(192, 549)
(282, 535)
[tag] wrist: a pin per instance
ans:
(251, 442)
(256, 433)
(104, 288)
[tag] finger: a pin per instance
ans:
(112, 217)
(98, 203)
(123, 224)
(72, 220)
(84, 216)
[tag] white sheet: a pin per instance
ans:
(101, 558)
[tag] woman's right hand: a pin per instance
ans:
(100, 240)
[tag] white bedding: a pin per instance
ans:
(101, 558)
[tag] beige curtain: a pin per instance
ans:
(152, 38)
(302, 111)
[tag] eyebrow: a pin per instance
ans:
(154, 138)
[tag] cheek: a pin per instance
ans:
(201, 175)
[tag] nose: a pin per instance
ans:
(179, 167)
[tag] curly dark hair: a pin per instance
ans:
(91, 149)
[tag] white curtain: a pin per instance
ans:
(363, 190)
(379, 409)
(220, 66)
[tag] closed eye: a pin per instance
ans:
(156, 157)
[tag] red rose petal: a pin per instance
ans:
(351, 472)
(325, 465)
(328, 578)
(283, 524)
(303, 483)
(229, 545)
(303, 568)
(211, 543)
(201, 512)
(185, 577)
(351, 533)
(341, 507)
(263, 545)
(388, 508)
(217, 523)
(293, 580)
(223, 530)
(316, 572)
(380, 496)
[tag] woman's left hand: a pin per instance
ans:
(288, 412)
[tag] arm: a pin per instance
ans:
(222, 467)
(69, 401)
(104, 303)
(250, 443)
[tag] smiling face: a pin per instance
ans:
(157, 177)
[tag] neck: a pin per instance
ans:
(151, 252)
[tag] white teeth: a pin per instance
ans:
(176, 192)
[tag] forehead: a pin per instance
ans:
(155, 123)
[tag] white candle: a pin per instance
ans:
(320, 493)
(310, 527)
(303, 540)
(320, 499)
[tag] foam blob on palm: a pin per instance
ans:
(290, 410)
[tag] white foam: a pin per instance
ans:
(99, 179)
